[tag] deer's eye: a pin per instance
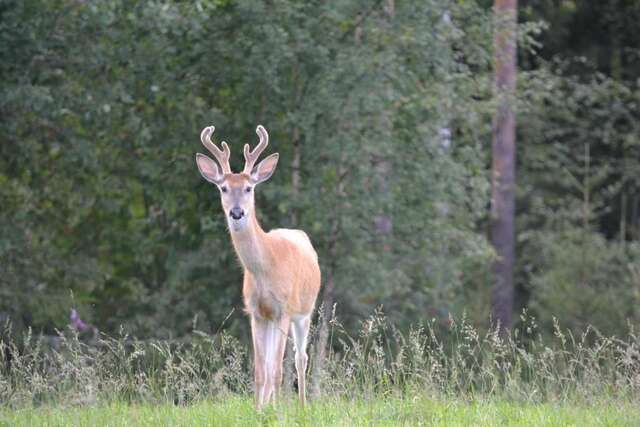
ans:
(224, 189)
(247, 190)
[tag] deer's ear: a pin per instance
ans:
(209, 169)
(265, 169)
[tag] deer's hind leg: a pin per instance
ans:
(300, 328)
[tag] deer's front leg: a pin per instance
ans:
(280, 346)
(267, 337)
(259, 336)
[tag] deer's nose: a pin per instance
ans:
(236, 213)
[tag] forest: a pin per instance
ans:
(382, 114)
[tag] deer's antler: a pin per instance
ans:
(250, 157)
(222, 156)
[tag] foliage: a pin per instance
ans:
(104, 209)
(601, 33)
(578, 178)
(582, 280)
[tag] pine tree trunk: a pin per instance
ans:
(503, 168)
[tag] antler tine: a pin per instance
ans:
(250, 157)
(222, 156)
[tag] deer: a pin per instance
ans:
(281, 270)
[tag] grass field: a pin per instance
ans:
(390, 411)
(455, 377)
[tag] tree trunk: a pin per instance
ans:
(503, 168)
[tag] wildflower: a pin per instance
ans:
(76, 321)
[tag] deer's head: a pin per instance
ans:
(236, 189)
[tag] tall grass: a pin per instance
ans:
(431, 359)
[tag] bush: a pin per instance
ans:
(583, 279)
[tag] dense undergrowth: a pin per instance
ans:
(452, 360)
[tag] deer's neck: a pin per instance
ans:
(251, 245)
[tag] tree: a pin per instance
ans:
(503, 167)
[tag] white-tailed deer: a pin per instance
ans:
(281, 272)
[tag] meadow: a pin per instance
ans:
(432, 375)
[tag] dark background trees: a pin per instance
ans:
(381, 112)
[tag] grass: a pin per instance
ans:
(381, 376)
(391, 411)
